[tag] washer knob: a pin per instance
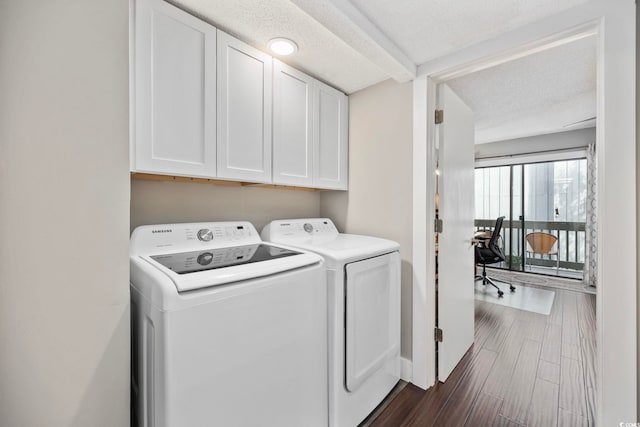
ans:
(205, 235)
(307, 227)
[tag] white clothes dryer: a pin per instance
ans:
(226, 330)
(363, 283)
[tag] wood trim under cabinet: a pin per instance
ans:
(157, 177)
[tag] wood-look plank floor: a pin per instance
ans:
(524, 369)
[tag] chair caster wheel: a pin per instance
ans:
(513, 288)
(500, 294)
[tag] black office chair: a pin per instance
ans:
(488, 252)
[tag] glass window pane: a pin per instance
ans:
(554, 202)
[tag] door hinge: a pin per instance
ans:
(439, 116)
(437, 225)
(437, 334)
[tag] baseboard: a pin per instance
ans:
(406, 370)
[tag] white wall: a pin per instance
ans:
(616, 308)
(533, 144)
(379, 200)
(64, 213)
(638, 198)
(161, 202)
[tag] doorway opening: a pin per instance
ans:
(518, 205)
(615, 137)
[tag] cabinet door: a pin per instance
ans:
(175, 92)
(292, 129)
(331, 133)
(244, 111)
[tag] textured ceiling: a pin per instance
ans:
(427, 29)
(320, 52)
(352, 44)
(537, 94)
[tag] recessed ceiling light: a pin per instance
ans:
(283, 47)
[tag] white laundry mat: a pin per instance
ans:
(524, 298)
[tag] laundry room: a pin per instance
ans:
(220, 212)
(377, 206)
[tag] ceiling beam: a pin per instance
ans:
(348, 23)
(535, 37)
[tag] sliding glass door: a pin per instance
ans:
(544, 205)
(498, 193)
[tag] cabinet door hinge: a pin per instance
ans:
(439, 116)
(437, 225)
(437, 334)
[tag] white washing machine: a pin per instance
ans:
(226, 330)
(363, 278)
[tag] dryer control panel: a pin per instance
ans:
(302, 228)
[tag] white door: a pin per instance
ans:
(292, 127)
(456, 209)
(244, 111)
(331, 138)
(175, 92)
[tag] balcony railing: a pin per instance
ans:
(571, 243)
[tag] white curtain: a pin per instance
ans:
(591, 233)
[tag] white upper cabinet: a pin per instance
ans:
(175, 92)
(244, 111)
(204, 104)
(331, 138)
(292, 126)
(310, 134)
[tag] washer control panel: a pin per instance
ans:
(299, 228)
(193, 236)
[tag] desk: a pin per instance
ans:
(481, 236)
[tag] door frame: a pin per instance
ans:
(614, 23)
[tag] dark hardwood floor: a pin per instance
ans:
(524, 369)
